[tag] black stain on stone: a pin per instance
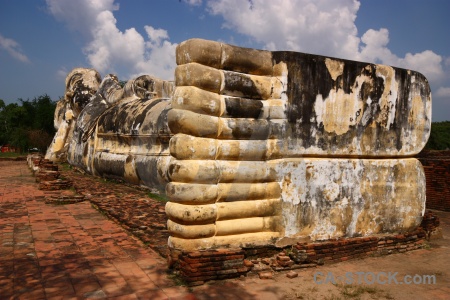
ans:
(82, 93)
(247, 129)
(173, 168)
(121, 118)
(147, 170)
(243, 108)
(109, 167)
(242, 83)
(308, 77)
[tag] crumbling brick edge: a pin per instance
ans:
(47, 175)
(198, 267)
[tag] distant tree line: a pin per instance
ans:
(28, 123)
(439, 136)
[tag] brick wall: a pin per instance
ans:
(200, 266)
(437, 172)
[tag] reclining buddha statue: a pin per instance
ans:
(255, 147)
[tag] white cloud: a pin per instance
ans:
(375, 50)
(319, 26)
(161, 57)
(443, 92)
(110, 50)
(156, 36)
(80, 15)
(194, 2)
(426, 62)
(13, 48)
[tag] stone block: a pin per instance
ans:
(248, 263)
(265, 275)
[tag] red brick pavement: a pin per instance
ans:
(70, 251)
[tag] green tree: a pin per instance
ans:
(43, 110)
(439, 136)
(27, 123)
(12, 117)
(3, 135)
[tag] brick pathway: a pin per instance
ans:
(70, 251)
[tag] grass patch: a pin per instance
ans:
(351, 291)
(158, 197)
(65, 166)
(426, 246)
(176, 278)
(107, 180)
(11, 154)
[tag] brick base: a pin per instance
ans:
(47, 174)
(200, 266)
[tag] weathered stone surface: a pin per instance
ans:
(334, 137)
(328, 198)
(81, 85)
(246, 240)
(333, 107)
(120, 132)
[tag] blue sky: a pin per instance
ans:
(42, 40)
